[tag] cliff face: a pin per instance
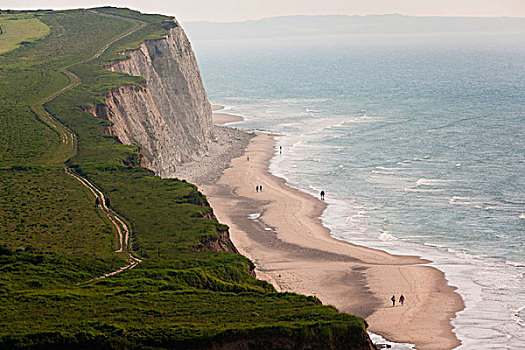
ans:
(169, 117)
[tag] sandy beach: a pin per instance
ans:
(220, 118)
(279, 229)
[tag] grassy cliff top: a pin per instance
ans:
(16, 30)
(53, 239)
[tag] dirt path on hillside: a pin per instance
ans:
(124, 241)
(67, 149)
(68, 146)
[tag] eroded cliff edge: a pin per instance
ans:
(168, 116)
(170, 219)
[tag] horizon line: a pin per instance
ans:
(349, 15)
(269, 17)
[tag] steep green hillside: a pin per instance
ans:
(53, 240)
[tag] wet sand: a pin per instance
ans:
(224, 118)
(280, 230)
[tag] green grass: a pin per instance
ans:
(20, 29)
(192, 302)
(46, 209)
(181, 323)
(52, 239)
(33, 71)
(24, 139)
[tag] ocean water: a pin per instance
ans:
(418, 142)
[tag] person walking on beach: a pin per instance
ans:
(257, 188)
(280, 149)
(401, 299)
(393, 300)
(97, 202)
(248, 158)
(260, 188)
(108, 202)
(322, 195)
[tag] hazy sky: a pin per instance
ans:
(236, 10)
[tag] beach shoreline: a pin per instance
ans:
(280, 229)
(221, 118)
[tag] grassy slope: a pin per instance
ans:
(18, 29)
(53, 238)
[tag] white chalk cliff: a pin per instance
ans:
(169, 116)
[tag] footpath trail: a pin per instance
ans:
(124, 241)
(67, 149)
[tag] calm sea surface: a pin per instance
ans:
(419, 143)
